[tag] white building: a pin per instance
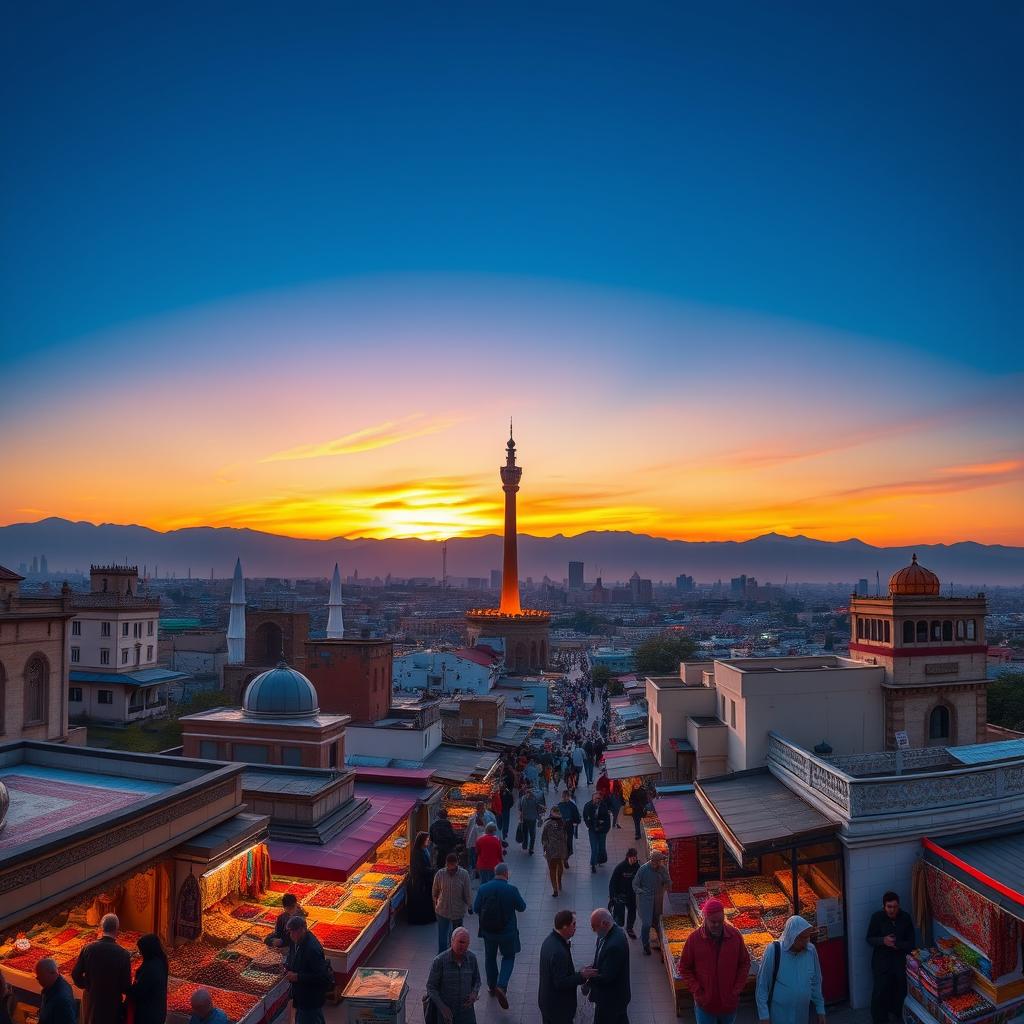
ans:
(114, 676)
(469, 670)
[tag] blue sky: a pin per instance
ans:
(854, 166)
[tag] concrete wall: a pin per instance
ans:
(405, 744)
(19, 643)
(668, 707)
(412, 672)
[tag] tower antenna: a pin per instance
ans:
(444, 564)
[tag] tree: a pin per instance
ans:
(663, 653)
(1006, 700)
(600, 675)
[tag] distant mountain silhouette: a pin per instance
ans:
(613, 555)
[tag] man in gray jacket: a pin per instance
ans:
(453, 898)
(530, 808)
(650, 884)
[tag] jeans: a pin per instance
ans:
(887, 996)
(529, 834)
(486, 875)
(703, 1017)
(637, 818)
(597, 847)
(555, 868)
(624, 914)
(472, 858)
(309, 1016)
(588, 767)
(646, 926)
(445, 927)
(504, 822)
(496, 978)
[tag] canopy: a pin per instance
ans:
(682, 817)
(633, 760)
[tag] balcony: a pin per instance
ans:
(867, 785)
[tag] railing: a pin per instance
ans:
(894, 794)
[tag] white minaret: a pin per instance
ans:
(335, 622)
(236, 622)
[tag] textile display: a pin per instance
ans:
(977, 919)
(188, 922)
(247, 874)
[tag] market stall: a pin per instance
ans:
(633, 765)
(975, 894)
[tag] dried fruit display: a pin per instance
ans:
(333, 936)
(327, 896)
(246, 911)
(298, 889)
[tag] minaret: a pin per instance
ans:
(335, 621)
(511, 474)
(236, 621)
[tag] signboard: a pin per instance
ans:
(830, 915)
(902, 741)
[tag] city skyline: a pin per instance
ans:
(286, 286)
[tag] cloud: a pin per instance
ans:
(380, 435)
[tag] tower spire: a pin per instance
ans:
(335, 620)
(511, 474)
(236, 620)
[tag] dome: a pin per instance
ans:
(914, 580)
(282, 692)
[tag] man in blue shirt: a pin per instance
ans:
(496, 905)
(203, 1010)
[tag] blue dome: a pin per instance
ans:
(281, 693)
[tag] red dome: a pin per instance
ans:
(915, 580)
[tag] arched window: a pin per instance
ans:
(270, 643)
(971, 630)
(947, 629)
(936, 629)
(922, 632)
(888, 637)
(908, 632)
(37, 682)
(938, 723)
(959, 629)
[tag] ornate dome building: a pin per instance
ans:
(280, 692)
(934, 654)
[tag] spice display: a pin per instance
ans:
(246, 911)
(327, 896)
(746, 920)
(359, 905)
(300, 890)
(359, 921)
(333, 936)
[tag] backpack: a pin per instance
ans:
(492, 917)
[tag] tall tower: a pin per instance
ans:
(236, 621)
(335, 620)
(511, 474)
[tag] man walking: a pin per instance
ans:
(650, 885)
(891, 934)
(556, 994)
(715, 964)
(497, 903)
(609, 982)
(588, 759)
(638, 806)
(620, 892)
(599, 823)
(443, 839)
(453, 984)
(453, 896)
(554, 843)
(306, 967)
(57, 1001)
(529, 812)
(104, 973)
(488, 853)
(571, 817)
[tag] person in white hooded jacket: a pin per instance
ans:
(797, 982)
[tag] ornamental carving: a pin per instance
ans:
(789, 758)
(831, 785)
(917, 794)
(82, 851)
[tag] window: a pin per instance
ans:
(149, 628)
(936, 629)
(860, 628)
(149, 652)
(208, 749)
(104, 629)
(74, 695)
(947, 629)
(76, 655)
(922, 632)
(37, 683)
(292, 756)
(959, 629)
(104, 655)
(135, 702)
(888, 638)
(971, 629)
(124, 629)
(732, 713)
(253, 753)
(938, 723)
(908, 632)
(76, 627)
(124, 655)
(723, 707)
(105, 696)
(137, 630)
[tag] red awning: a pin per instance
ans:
(637, 759)
(336, 860)
(682, 817)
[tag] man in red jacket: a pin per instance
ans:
(715, 964)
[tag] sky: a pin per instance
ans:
(731, 268)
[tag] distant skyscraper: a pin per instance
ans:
(35, 563)
(575, 575)
(738, 586)
(640, 591)
(684, 584)
(43, 566)
(495, 579)
(862, 588)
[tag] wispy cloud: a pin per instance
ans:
(381, 435)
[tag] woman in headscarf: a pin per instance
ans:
(421, 879)
(148, 993)
(789, 979)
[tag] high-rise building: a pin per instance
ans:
(738, 586)
(640, 591)
(685, 584)
(44, 567)
(575, 575)
(495, 579)
(862, 588)
(35, 564)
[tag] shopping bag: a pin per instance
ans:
(519, 833)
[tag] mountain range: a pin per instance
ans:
(614, 555)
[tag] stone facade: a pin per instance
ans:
(268, 634)
(526, 636)
(352, 677)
